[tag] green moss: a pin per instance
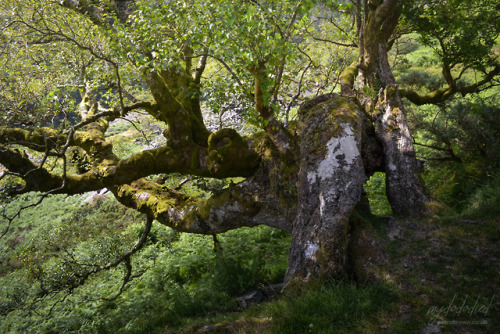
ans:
(36, 136)
(340, 110)
(163, 206)
(281, 169)
(376, 112)
(229, 155)
(195, 158)
(223, 134)
(348, 76)
(264, 146)
(215, 201)
(156, 201)
(391, 92)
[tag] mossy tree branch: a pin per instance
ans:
(245, 204)
(228, 156)
(445, 93)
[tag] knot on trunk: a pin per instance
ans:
(228, 151)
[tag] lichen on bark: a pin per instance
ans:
(330, 184)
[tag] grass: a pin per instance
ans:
(330, 308)
(484, 201)
(321, 307)
(447, 263)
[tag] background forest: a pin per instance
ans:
(188, 283)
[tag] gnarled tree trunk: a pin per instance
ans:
(403, 186)
(335, 158)
(330, 184)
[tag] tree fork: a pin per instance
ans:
(404, 188)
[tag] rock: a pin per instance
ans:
(431, 329)
(94, 196)
(393, 230)
(207, 329)
(250, 299)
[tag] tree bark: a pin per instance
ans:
(405, 190)
(330, 184)
(403, 185)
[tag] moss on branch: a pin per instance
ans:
(38, 139)
(154, 200)
(347, 78)
(229, 154)
(228, 209)
(445, 93)
(40, 179)
(434, 97)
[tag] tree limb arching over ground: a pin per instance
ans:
(305, 178)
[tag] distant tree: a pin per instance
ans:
(304, 177)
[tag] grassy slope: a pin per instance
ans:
(435, 266)
(440, 269)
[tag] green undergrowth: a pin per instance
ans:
(375, 190)
(175, 276)
(183, 283)
(330, 308)
(318, 307)
(467, 190)
(484, 201)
